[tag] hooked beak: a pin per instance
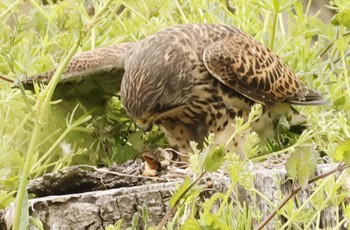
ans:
(144, 125)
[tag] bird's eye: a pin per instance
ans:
(157, 107)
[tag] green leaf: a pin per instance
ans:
(116, 226)
(304, 175)
(145, 215)
(301, 165)
(276, 5)
(208, 205)
(342, 18)
(341, 44)
(6, 197)
(340, 101)
(215, 159)
(136, 140)
(180, 192)
(291, 166)
(214, 223)
(191, 224)
(135, 220)
(346, 210)
(342, 152)
(36, 222)
(346, 158)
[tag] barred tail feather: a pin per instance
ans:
(311, 98)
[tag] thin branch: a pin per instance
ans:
(6, 79)
(166, 217)
(159, 179)
(331, 44)
(339, 168)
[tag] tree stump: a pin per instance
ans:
(97, 209)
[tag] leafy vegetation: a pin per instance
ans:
(39, 135)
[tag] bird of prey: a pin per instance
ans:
(191, 80)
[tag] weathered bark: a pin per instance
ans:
(78, 179)
(97, 209)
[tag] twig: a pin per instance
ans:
(331, 44)
(6, 79)
(160, 179)
(340, 59)
(339, 168)
(166, 217)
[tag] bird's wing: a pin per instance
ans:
(251, 69)
(96, 73)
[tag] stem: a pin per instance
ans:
(331, 44)
(172, 210)
(36, 136)
(42, 107)
(274, 28)
(345, 72)
(224, 201)
(9, 9)
(37, 6)
(24, 179)
(181, 11)
(56, 78)
(6, 79)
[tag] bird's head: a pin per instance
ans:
(155, 80)
(147, 98)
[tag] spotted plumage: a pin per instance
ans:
(194, 79)
(191, 80)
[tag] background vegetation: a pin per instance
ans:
(38, 136)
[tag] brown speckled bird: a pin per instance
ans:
(194, 79)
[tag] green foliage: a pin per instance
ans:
(37, 223)
(191, 223)
(214, 159)
(183, 190)
(342, 152)
(342, 18)
(213, 222)
(34, 38)
(116, 226)
(302, 165)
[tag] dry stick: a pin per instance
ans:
(6, 79)
(339, 59)
(167, 216)
(339, 168)
(159, 179)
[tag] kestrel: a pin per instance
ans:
(192, 80)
